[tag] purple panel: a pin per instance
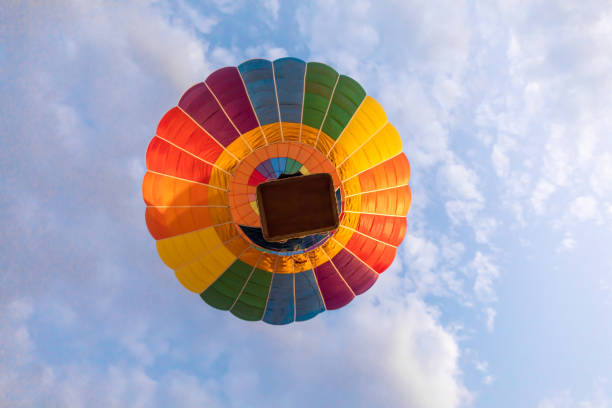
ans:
(199, 103)
(358, 275)
(227, 86)
(266, 169)
(335, 292)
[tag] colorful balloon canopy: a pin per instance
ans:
(249, 124)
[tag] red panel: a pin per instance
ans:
(256, 178)
(165, 158)
(376, 254)
(181, 130)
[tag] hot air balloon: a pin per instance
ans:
(276, 190)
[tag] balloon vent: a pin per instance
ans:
(297, 206)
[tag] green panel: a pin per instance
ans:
(347, 98)
(292, 166)
(320, 81)
(252, 302)
(222, 293)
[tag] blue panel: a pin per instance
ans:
(282, 162)
(259, 81)
(339, 200)
(276, 166)
(289, 73)
(308, 302)
(280, 308)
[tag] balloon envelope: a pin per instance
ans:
(263, 121)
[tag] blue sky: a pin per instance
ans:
(501, 294)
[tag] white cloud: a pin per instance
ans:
(598, 398)
(540, 195)
(460, 182)
(490, 315)
(273, 6)
(486, 273)
(584, 208)
(568, 243)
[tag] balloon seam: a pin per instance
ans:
(312, 267)
(331, 97)
(363, 144)
(245, 283)
(378, 190)
(252, 107)
(182, 266)
(368, 236)
(227, 116)
(222, 273)
(208, 133)
(336, 269)
(345, 127)
(370, 213)
(187, 180)
(359, 259)
(199, 229)
(280, 121)
(191, 154)
(188, 206)
(303, 98)
(370, 168)
(270, 289)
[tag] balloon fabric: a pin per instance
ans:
(262, 121)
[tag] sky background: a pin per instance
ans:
(501, 293)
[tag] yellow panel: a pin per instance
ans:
(352, 186)
(255, 138)
(254, 207)
(272, 132)
(267, 262)
(180, 249)
(219, 178)
(343, 235)
(188, 282)
(239, 149)
(308, 135)
(353, 203)
(291, 132)
(350, 220)
(304, 170)
(300, 262)
(384, 145)
(284, 265)
(369, 118)
(226, 231)
(226, 161)
(316, 257)
(204, 271)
